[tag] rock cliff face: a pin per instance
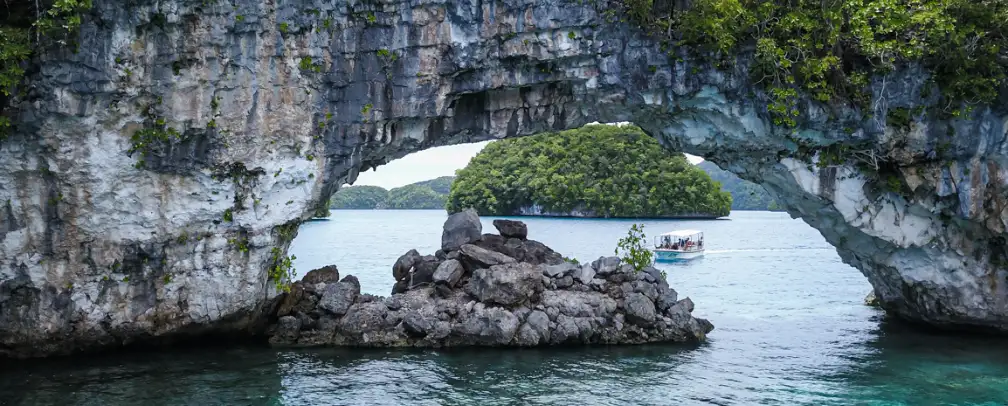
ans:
(157, 176)
(467, 295)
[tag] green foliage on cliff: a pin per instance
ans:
(321, 212)
(832, 48)
(428, 194)
(607, 171)
(745, 195)
(25, 26)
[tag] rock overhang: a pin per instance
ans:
(353, 86)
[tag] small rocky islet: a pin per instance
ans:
(488, 290)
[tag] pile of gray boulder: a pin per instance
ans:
(488, 289)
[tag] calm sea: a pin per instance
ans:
(790, 329)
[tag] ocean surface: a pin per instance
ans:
(790, 329)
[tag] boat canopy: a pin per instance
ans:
(683, 233)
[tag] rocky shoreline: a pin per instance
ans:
(488, 290)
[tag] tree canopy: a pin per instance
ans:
(597, 170)
(832, 49)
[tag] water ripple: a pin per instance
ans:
(790, 330)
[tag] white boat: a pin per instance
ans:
(679, 245)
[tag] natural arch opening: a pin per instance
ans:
(163, 198)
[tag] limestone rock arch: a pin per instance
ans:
(114, 228)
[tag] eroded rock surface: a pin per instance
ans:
(110, 235)
(497, 304)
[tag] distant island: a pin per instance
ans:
(428, 194)
(595, 171)
(745, 194)
(433, 194)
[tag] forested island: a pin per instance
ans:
(428, 194)
(594, 171)
(433, 194)
(745, 194)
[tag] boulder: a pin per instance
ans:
(449, 272)
(461, 228)
(416, 325)
(474, 257)
(508, 284)
(526, 337)
(511, 228)
(338, 297)
(565, 282)
(604, 266)
(287, 330)
(639, 309)
(559, 270)
(647, 289)
(488, 326)
(365, 318)
(325, 274)
(531, 251)
(687, 304)
(585, 274)
(667, 300)
(538, 322)
(536, 252)
(291, 299)
(405, 262)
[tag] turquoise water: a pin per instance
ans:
(790, 329)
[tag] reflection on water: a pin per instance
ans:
(790, 329)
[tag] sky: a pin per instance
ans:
(429, 164)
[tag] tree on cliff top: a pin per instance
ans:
(604, 170)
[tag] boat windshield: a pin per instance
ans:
(682, 240)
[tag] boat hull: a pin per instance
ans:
(671, 256)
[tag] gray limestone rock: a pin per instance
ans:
(405, 263)
(585, 274)
(489, 326)
(527, 337)
(666, 300)
(509, 284)
(559, 270)
(564, 282)
(474, 257)
(457, 82)
(511, 228)
(448, 272)
(288, 329)
(338, 297)
(325, 274)
(639, 309)
(605, 266)
(416, 325)
(365, 318)
(649, 290)
(461, 228)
